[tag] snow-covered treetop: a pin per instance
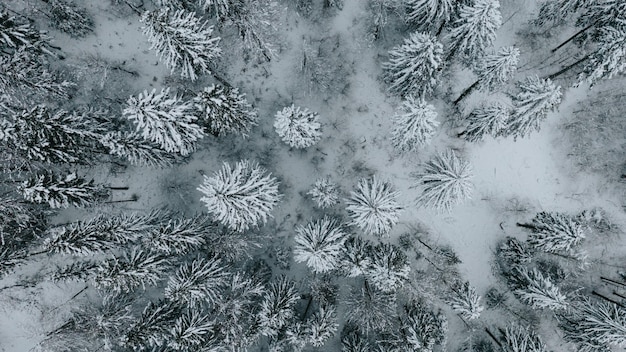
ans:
(319, 244)
(300, 128)
(475, 29)
(497, 68)
(325, 193)
(427, 13)
(414, 125)
(224, 110)
(373, 206)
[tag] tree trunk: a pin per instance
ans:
(573, 37)
(122, 188)
(611, 281)
(308, 305)
(619, 295)
(469, 90)
(493, 337)
(567, 68)
(595, 293)
(526, 226)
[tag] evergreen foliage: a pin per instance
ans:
(475, 29)
(62, 191)
(277, 307)
(427, 13)
(553, 232)
(522, 339)
(224, 110)
(539, 291)
(132, 147)
(129, 271)
(496, 68)
(466, 302)
(389, 268)
(371, 310)
(414, 125)
(325, 193)
(596, 326)
(198, 281)
(356, 258)
(299, 128)
(485, 120)
(69, 18)
(319, 244)
(421, 329)
(373, 206)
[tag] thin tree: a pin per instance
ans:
(466, 302)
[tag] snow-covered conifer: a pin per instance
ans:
(596, 326)
(325, 193)
(475, 29)
(421, 329)
(553, 232)
(356, 258)
(198, 281)
(135, 149)
(389, 268)
(609, 59)
(514, 252)
(517, 338)
(414, 66)
(445, 181)
(178, 236)
(165, 120)
(427, 13)
(354, 342)
(191, 331)
(556, 12)
(277, 307)
(371, 310)
(538, 291)
(219, 8)
(497, 68)
(414, 125)
(488, 119)
(16, 33)
(69, 18)
(319, 244)
(240, 197)
(129, 271)
(224, 110)
(373, 206)
(299, 128)
(536, 98)
(322, 326)
(62, 191)
(466, 302)
(181, 40)
(152, 328)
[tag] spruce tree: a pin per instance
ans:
(136, 150)
(523, 339)
(389, 267)
(224, 110)
(475, 29)
(299, 128)
(198, 281)
(609, 59)
(485, 120)
(62, 191)
(371, 310)
(466, 301)
(539, 291)
(414, 125)
(373, 206)
(133, 269)
(69, 18)
(356, 259)
(277, 307)
(428, 14)
(319, 244)
(324, 193)
(596, 326)
(553, 232)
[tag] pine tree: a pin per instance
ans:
(277, 307)
(374, 207)
(181, 40)
(240, 197)
(297, 336)
(322, 326)
(223, 110)
(152, 328)
(319, 244)
(325, 193)
(609, 59)
(69, 18)
(445, 181)
(413, 67)
(497, 68)
(299, 128)
(556, 12)
(129, 271)
(538, 291)
(554, 233)
(165, 120)
(43, 136)
(596, 326)
(514, 252)
(466, 302)
(415, 125)
(356, 258)
(421, 329)
(62, 191)
(136, 150)
(536, 98)
(354, 342)
(219, 8)
(389, 268)
(15, 34)
(191, 331)
(488, 119)
(179, 236)
(426, 13)
(198, 281)
(522, 339)
(475, 29)
(371, 310)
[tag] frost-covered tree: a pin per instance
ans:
(428, 13)
(16, 33)
(62, 191)
(319, 244)
(421, 329)
(553, 232)
(222, 110)
(354, 341)
(277, 307)
(517, 338)
(539, 291)
(240, 197)
(299, 128)
(556, 12)
(466, 302)
(164, 119)
(134, 148)
(489, 119)
(152, 328)
(373, 206)
(389, 267)
(609, 59)
(475, 29)
(414, 66)
(536, 98)
(324, 193)
(596, 326)
(414, 125)
(514, 252)
(69, 18)
(445, 181)
(192, 330)
(356, 257)
(218, 8)
(371, 310)
(41, 135)
(179, 236)
(133, 269)
(198, 281)
(181, 40)
(322, 326)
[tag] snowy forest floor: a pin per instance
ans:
(328, 63)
